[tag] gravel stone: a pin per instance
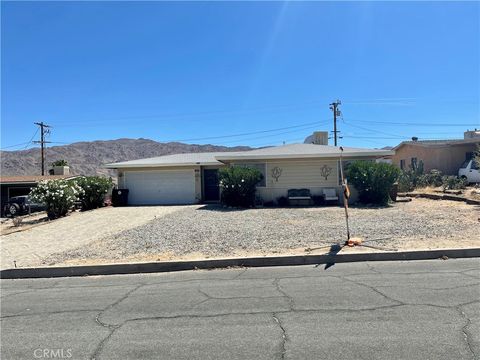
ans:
(216, 231)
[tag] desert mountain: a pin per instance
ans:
(86, 158)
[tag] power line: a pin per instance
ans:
(11, 146)
(30, 141)
(372, 130)
(413, 124)
(299, 127)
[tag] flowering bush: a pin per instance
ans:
(94, 190)
(373, 181)
(239, 185)
(58, 196)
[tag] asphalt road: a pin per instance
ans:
(389, 310)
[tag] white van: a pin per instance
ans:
(470, 171)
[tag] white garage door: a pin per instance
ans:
(160, 187)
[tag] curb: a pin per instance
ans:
(138, 268)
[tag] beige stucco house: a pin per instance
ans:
(193, 178)
(444, 155)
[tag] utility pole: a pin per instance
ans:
(336, 112)
(44, 129)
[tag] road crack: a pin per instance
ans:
(291, 301)
(111, 327)
(284, 335)
(466, 334)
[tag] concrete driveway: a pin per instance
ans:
(386, 310)
(30, 247)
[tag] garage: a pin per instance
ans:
(160, 187)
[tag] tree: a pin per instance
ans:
(60, 163)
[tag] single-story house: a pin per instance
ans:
(21, 185)
(193, 178)
(444, 155)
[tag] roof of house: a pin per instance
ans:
(293, 151)
(187, 159)
(32, 179)
(445, 142)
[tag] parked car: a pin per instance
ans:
(470, 171)
(20, 205)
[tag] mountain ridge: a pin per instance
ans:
(88, 157)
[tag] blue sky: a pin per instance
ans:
(206, 71)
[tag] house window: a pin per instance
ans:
(262, 167)
(402, 164)
(414, 163)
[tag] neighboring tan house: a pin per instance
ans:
(444, 155)
(193, 178)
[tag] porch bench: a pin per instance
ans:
(330, 195)
(299, 197)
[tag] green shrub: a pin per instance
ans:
(410, 179)
(453, 183)
(239, 185)
(58, 196)
(60, 163)
(373, 181)
(433, 178)
(94, 190)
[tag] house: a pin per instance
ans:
(21, 185)
(444, 155)
(193, 178)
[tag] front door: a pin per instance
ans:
(211, 189)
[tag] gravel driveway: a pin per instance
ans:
(31, 247)
(211, 231)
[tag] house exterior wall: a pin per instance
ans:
(298, 174)
(295, 174)
(446, 158)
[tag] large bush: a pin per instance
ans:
(94, 190)
(453, 183)
(58, 196)
(373, 181)
(239, 185)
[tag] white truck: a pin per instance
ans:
(470, 171)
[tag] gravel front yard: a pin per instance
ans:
(211, 231)
(31, 246)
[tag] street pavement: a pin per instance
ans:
(378, 310)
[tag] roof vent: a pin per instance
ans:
(414, 138)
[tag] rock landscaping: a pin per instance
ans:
(213, 231)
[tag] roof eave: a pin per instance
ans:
(133, 166)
